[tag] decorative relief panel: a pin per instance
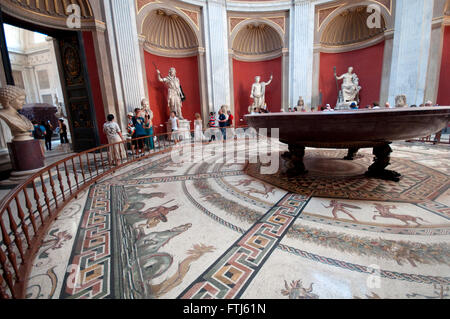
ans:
(281, 21)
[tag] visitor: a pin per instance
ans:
(39, 134)
(295, 109)
(130, 125)
(48, 135)
(375, 106)
(223, 124)
(175, 124)
(63, 135)
(353, 106)
(387, 105)
(328, 108)
(231, 119)
(114, 135)
(212, 125)
(139, 124)
(148, 127)
(254, 112)
(198, 128)
(428, 104)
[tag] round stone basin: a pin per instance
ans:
(356, 128)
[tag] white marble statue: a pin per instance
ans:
(259, 92)
(350, 87)
(12, 99)
(175, 95)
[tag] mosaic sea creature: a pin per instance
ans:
(295, 290)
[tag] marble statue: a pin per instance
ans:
(259, 92)
(350, 87)
(12, 99)
(145, 105)
(175, 94)
(301, 107)
(400, 101)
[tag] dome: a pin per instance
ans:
(256, 39)
(350, 27)
(169, 31)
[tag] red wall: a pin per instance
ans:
(95, 84)
(367, 64)
(444, 81)
(244, 76)
(187, 72)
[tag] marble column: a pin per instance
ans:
(387, 63)
(217, 63)
(411, 50)
(120, 16)
(435, 61)
(301, 39)
(141, 39)
(285, 84)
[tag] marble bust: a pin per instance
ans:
(145, 105)
(350, 87)
(259, 92)
(175, 94)
(400, 101)
(12, 99)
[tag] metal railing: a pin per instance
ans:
(27, 212)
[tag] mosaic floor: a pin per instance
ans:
(221, 229)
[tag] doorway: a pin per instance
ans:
(64, 81)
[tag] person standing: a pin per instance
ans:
(230, 122)
(114, 135)
(63, 135)
(223, 124)
(198, 128)
(48, 135)
(212, 125)
(149, 130)
(139, 124)
(174, 124)
(39, 134)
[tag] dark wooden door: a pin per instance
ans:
(78, 97)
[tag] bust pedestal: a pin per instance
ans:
(184, 131)
(26, 159)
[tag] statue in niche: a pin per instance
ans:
(12, 99)
(350, 87)
(175, 95)
(259, 92)
(400, 101)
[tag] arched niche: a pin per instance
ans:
(169, 38)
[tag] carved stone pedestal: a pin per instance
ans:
(381, 161)
(295, 156)
(184, 130)
(26, 159)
